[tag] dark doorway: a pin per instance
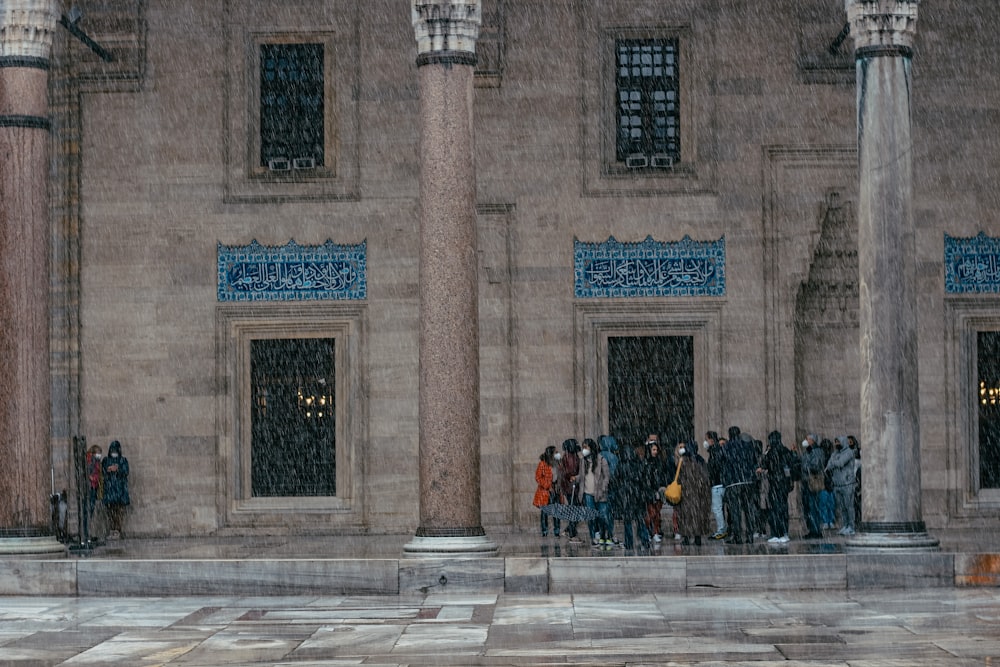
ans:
(293, 452)
(650, 388)
(988, 394)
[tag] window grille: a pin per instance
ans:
(291, 106)
(648, 102)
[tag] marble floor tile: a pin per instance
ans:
(762, 629)
(452, 639)
(342, 641)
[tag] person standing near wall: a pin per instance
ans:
(715, 465)
(777, 467)
(569, 483)
(694, 513)
(842, 468)
(116, 497)
(813, 464)
(658, 475)
(544, 492)
(608, 447)
(740, 475)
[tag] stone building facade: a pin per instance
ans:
(666, 208)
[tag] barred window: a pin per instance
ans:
(291, 106)
(648, 102)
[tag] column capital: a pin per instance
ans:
(446, 27)
(27, 28)
(882, 23)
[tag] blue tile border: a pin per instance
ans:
(292, 272)
(649, 268)
(972, 265)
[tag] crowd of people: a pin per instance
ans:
(739, 493)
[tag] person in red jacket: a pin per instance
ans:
(546, 490)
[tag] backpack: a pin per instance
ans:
(795, 467)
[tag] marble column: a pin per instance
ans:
(26, 32)
(883, 32)
(450, 516)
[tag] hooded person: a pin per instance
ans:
(777, 466)
(841, 468)
(568, 475)
(627, 491)
(740, 475)
(608, 446)
(114, 468)
(813, 463)
(694, 511)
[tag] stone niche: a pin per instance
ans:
(827, 365)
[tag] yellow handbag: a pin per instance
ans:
(673, 492)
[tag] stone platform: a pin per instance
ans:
(375, 565)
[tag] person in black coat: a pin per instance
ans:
(776, 468)
(740, 477)
(114, 467)
(628, 492)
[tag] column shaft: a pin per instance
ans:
(24, 302)
(450, 515)
(449, 315)
(883, 33)
(890, 425)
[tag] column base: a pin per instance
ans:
(14, 546)
(891, 536)
(450, 545)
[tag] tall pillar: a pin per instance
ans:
(883, 32)
(26, 32)
(450, 518)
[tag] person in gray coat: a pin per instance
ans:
(841, 468)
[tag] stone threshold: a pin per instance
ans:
(513, 574)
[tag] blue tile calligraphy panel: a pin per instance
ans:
(292, 272)
(649, 268)
(971, 265)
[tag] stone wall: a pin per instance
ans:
(768, 114)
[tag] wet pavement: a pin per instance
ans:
(948, 627)
(510, 544)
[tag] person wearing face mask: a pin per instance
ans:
(776, 467)
(628, 493)
(695, 509)
(658, 475)
(116, 496)
(594, 476)
(555, 495)
(841, 468)
(569, 483)
(544, 491)
(813, 463)
(95, 480)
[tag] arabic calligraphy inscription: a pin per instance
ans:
(292, 272)
(971, 265)
(650, 268)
